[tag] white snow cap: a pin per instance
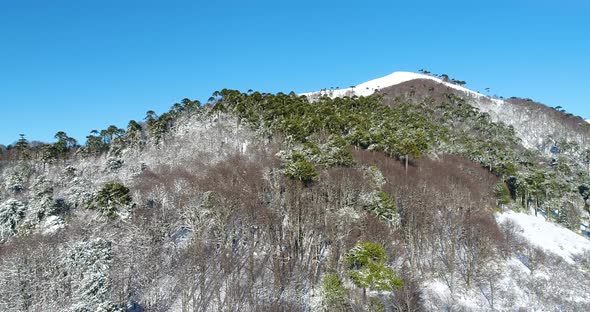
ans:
(369, 87)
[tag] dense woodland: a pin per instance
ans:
(272, 202)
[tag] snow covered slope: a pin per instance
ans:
(548, 236)
(523, 282)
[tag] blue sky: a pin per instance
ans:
(82, 65)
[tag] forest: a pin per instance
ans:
(278, 202)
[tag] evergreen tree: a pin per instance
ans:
(22, 146)
(366, 261)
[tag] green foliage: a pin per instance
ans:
(334, 294)
(365, 252)
(502, 193)
(134, 131)
(386, 204)
(375, 305)
(376, 276)
(474, 135)
(530, 178)
(298, 168)
(368, 270)
(22, 147)
(364, 122)
(110, 134)
(95, 144)
(404, 131)
(112, 198)
(64, 143)
(157, 126)
(336, 153)
(381, 205)
(312, 148)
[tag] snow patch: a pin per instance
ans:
(548, 236)
(52, 224)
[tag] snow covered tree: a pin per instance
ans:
(11, 213)
(381, 205)
(89, 262)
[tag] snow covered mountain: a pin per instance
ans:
(263, 202)
(537, 125)
(396, 78)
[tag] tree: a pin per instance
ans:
(298, 168)
(177, 109)
(458, 82)
(584, 191)
(22, 146)
(412, 144)
(48, 153)
(502, 194)
(112, 198)
(586, 159)
(367, 268)
(424, 71)
(334, 294)
(150, 116)
(110, 133)
(64, 144)
(381, 205)
(189, 105)
(134, 130)
(95, 143)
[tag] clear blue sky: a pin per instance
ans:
(82, 65)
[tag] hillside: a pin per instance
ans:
(406, 193)
(550, 126)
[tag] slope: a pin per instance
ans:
(538, 126)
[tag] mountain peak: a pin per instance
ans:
(395, 78)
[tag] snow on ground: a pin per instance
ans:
(445, 300)
(551, 286)
(369, 87)
(52, 224)
(548, 236)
